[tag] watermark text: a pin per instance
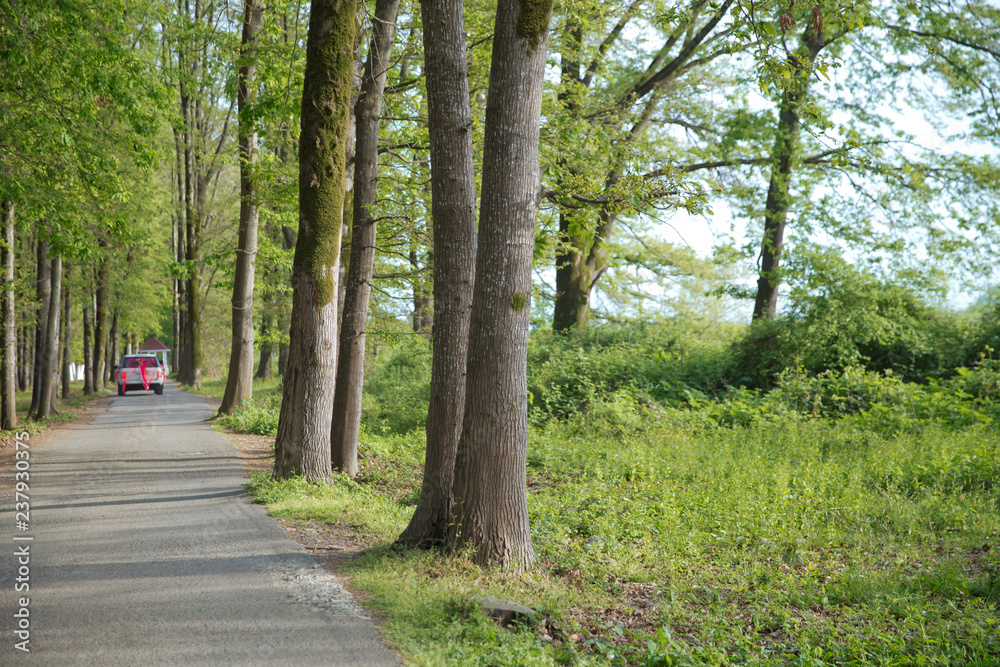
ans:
(22, 541)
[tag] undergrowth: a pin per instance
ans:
(844, 518)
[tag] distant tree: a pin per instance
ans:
(606, 105)
(239, 385)
(50, 359)
(43, 292)
(102, 276)
(8, 408)
(66, 331)
(794, 88)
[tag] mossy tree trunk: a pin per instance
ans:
(453, 209)
(491, 511)
(303, 442)
(354, 324)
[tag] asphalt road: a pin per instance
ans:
(144, 549)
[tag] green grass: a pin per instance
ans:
(67, 408)
(262, 387)
(791, 542)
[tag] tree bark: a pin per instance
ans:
(50, 359)
(778, 202)
(266, 347)
(354, 323)
(8, 362)
(113, 351)
(186, 363)
(177, 238)
(288, 239)
(192, 317)
(303, 442)
(423, 301)
(88, 346)
(239, 385)
(43, 277)
(66, 338)
(453, 210)
(491, 510)
(22, 357)
(101, 319)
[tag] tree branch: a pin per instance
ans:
(611, 38)
(948, 38)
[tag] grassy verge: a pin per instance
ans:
(673, 540)
(67, 407)
(262, 387)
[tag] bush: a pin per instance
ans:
(397, 387)
(258, 416)
(839, 316)
(640, 365)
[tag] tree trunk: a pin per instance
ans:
(101, 319)
(303, 442)
(178, 244)
(50, 358)
(423, 302)
(453, 210)
(283, 359)
(66, 338)
(778, 202)
(239, 385)
(572, 302)
(351, 354)
(43, 273)
(185, 366)
(491, 509)
(88, 346)
(574, 280)
(288, 239)
(8, 361)
(267, 322)
(266, 347)
(22, 357)
(192, 317)
(113, 351)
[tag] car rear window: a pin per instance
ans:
(134, 362)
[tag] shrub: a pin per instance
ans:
(840, 316)
(258, 416)
(397, 387)
(611, 364)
